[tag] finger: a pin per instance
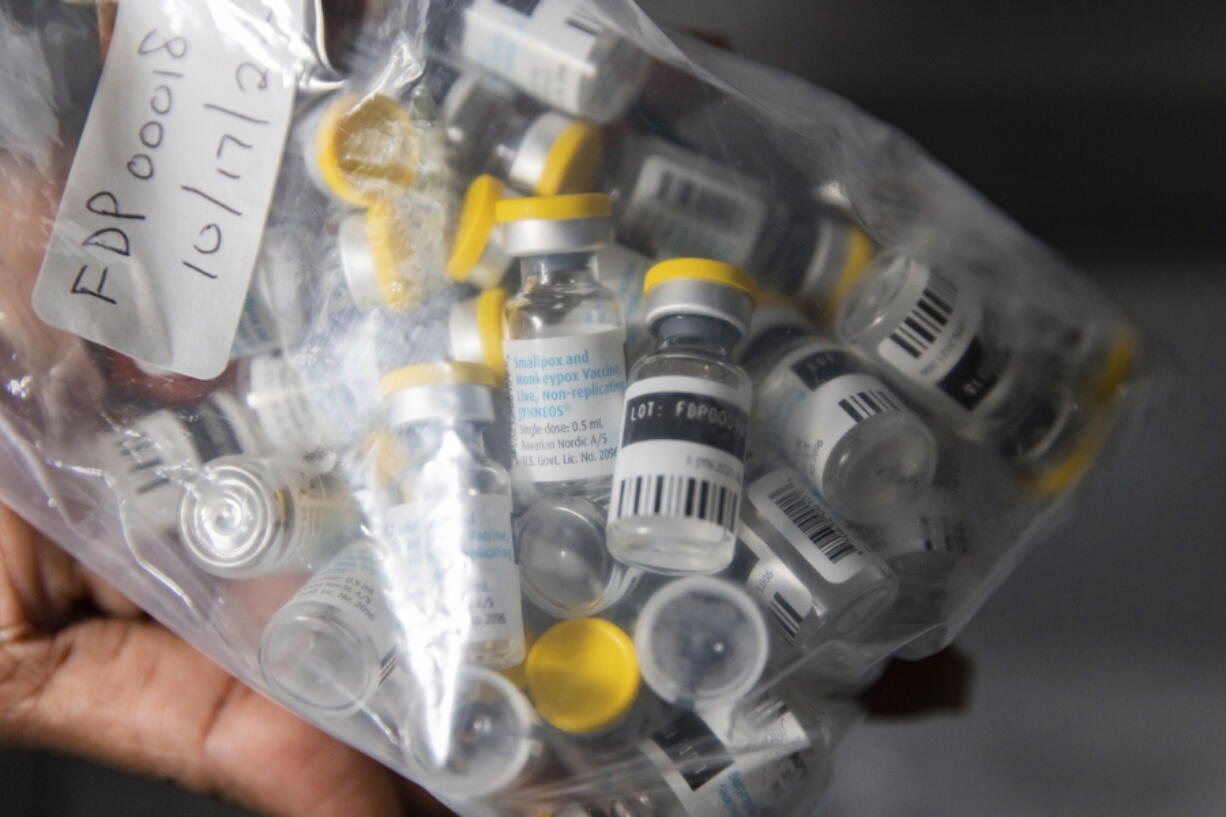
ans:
(132, 694)
(107, 599)
(39, 583)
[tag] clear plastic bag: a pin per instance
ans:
(551, 500)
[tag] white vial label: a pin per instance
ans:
(321, 513)
(285, 413)
(775, 586)
(928, 533)
(683, 451)
(940, 344)
(463, 561)
(798, 515)
(832, 396)
(697, 209)
(351, 583)
(546, 47)
(566, 401)
(164, 207)
(713, 773)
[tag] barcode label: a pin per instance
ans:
(773, 584)
(787, 616)
(144, 457)
(928, 319)
(688, 193)
(818, 528)
(677, 495)
(782, 499)
(866, 404)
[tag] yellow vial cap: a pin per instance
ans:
(490, 321)
(700, 269)
(573, 161)
(583, 675)
(391, 248)
(366, 147)
(442, 373)
(476, 225)
(859, 252)
(553, 208)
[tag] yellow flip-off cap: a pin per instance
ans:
(859, 253)
(583, 675)
(476, 226)
(1118, 366)
(700, 269)
(573, 161)
(388, 236)
(442, 373)
(490, 321)
(553, 208)
(366, 147)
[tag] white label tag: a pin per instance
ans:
(566, 396)
(164, 207)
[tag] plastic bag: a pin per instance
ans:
(553, 501)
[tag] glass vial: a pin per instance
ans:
(244, 516)
(557, 51)
(491, 129)
(583, 678)
(149, 460)
(864, 451)
(482, 739)
(677, 483)
(285, 411)
(449, 514)
(330, 649)
(564, 345)
(701, 642)
(814, 578)
(674, 203)
(274, 313)
(564, 564)
(475, 330)
(939, 341)
(375, 252)
(360, 149)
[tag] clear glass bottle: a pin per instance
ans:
(677, 483)
(564, 564)
(475, 330)
(332, 648)
(564, 345)
(244, 516)
(815, 578)
(448, 517)
(148, 461)
(492, 129)
(701, 642)
(954, 356)
(863, 450)
(674, 203)
(285, 411)
(554, 50)
(480, 740)
(765, 755)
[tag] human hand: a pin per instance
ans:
(83, 671)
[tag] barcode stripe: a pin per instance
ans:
(677, 495)
(787, 616)
(685, 193)
(866, 404)
(927, 319)
(812, 521)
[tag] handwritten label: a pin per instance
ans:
(164, 207)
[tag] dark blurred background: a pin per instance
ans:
(1100, 668)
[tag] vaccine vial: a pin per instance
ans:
(762, 756)
(477, 254)
(674, 203)
(491, 129)
(475, 330)
(360, 149)
(284, 410)
(480, 740)
(274, 313)
(932, 333)
(860, 446)
(564, 563)
(333, 646)
(244, 516)
(149, 460)
(583, 678)
(564, 345)
(818, 256)
(701, 641)
(376, 253)
(677, 482)
(815, 579)
(449, 514)
(557, 51)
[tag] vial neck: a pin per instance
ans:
(699, 333)
(558, 270)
